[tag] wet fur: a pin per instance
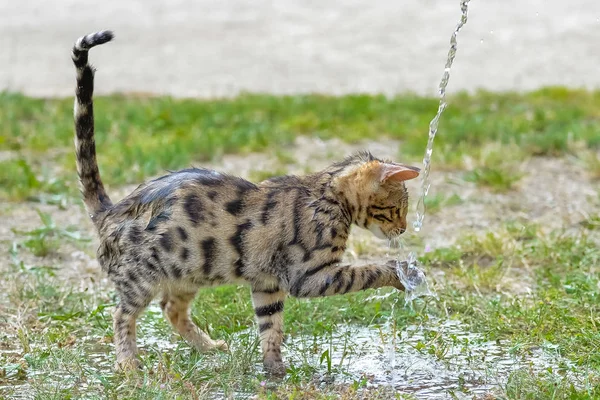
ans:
(197, 227)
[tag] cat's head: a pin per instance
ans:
(375, 192)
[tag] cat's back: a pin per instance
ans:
(192, 204)
(194, 195)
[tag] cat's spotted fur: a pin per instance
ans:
(196, 228)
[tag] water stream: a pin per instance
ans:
(411, 276)
(433, 125)
(408, 270)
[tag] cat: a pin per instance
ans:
(198, 227)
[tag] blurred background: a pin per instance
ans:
(217, 48)
(511, 239)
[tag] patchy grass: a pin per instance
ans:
(592, 223)
(47, 239)
(434, 203)
(495, 166)
(523, 385)
(591, 160)
(560, 309)
(519, 287)
(151, 135)
(56, 340)
(495, 178)
(21, 179)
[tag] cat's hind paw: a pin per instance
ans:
(275, 367)
(128, 365)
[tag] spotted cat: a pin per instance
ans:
(197, 227)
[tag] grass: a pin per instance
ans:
(591, 160)
(47, 239)
(497, 167)
(524, 289)
(151, 135)
(22, 179)
(60, 344)
(434, 203)
(593, 222)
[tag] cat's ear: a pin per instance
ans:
(397, 172)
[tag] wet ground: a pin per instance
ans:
(430, 361)
(433, 362)
(439, 361)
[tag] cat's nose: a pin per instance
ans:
(402, 230)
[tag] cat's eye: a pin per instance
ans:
(382, 218)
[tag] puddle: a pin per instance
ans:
(437, 361)
(153, 334)
(434, 362)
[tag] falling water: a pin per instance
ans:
(409, 273)
(411, 276)
(433, 125)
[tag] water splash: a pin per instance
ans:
(433, 125)
(410, 274)
(471, 365)
(413, 279)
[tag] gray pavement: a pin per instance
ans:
(206, 48)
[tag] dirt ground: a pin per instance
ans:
(209, 48)
(554, 193)
(212, 48)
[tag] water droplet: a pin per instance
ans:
(537, 14)
(481, 41)
(491, 32)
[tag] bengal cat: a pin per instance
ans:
(197, 227)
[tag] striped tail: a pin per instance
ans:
(94, 196)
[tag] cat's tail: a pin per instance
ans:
(94, 196)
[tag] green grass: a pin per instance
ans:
(48, 238)
(562, 308)
(519, 286)
(21, 179)
(151, 135)
(496, 167)
(434, 203)
(63, 333)
(592, 223)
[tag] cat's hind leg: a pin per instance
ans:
(133, 300)
(175, 306)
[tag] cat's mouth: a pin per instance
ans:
(391, 235)
(395, 234)
(378, 232)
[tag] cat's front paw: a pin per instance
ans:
(275, 367)
(392, 266)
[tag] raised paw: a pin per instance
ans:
(392, 268)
